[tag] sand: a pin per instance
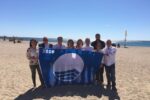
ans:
(132, 74)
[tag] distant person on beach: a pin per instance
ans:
(45, 44)
(14, 40)
(59, 44)
(118, 45)
(113, 44)
(109, 62)
(101, 70)
(70, 44)
(32, 55)
(87, 45)
(4, 38)
(79, 44)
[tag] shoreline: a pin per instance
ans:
(26, 41)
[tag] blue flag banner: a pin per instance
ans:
(68, 66)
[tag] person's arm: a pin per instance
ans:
(37, 54)
(40, 45)
(104, 51)
(103, 44)
(102, 62)
(28, 54)
(92, 44)
(113, 51)
(64, 47)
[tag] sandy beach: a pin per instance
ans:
(132, 77)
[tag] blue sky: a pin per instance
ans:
(76, 18)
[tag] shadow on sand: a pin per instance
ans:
(68, 90)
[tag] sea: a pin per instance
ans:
(138, 43)
(134, 43)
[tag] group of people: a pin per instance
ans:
(108, 61)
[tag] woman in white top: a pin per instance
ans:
(32, 55)
(87, 45)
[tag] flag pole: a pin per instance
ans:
(125, 40)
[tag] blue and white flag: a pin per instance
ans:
(68, 66)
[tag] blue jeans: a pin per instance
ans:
(110, 74)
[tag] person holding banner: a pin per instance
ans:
(97, 37)
(70, 44)
(59, 44)
(100, 50)
(87, 45)
(109, 62)
(32, 55)
(99, 76)
(79, 44)
(45, 43)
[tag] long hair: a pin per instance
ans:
(70, 41)
(30, 44)
(78, 42)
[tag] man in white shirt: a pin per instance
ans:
(109, 62)
(87, 45)
(59, 44)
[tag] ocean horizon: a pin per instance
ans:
(140, 43)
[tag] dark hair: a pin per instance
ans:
(79, 40)
(70, 41)
(31, 42)
(109, 41)
(97, 34)
(45, 38)
(59, 38)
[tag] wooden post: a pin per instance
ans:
(125, 40)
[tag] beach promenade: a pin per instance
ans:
(132, 77)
